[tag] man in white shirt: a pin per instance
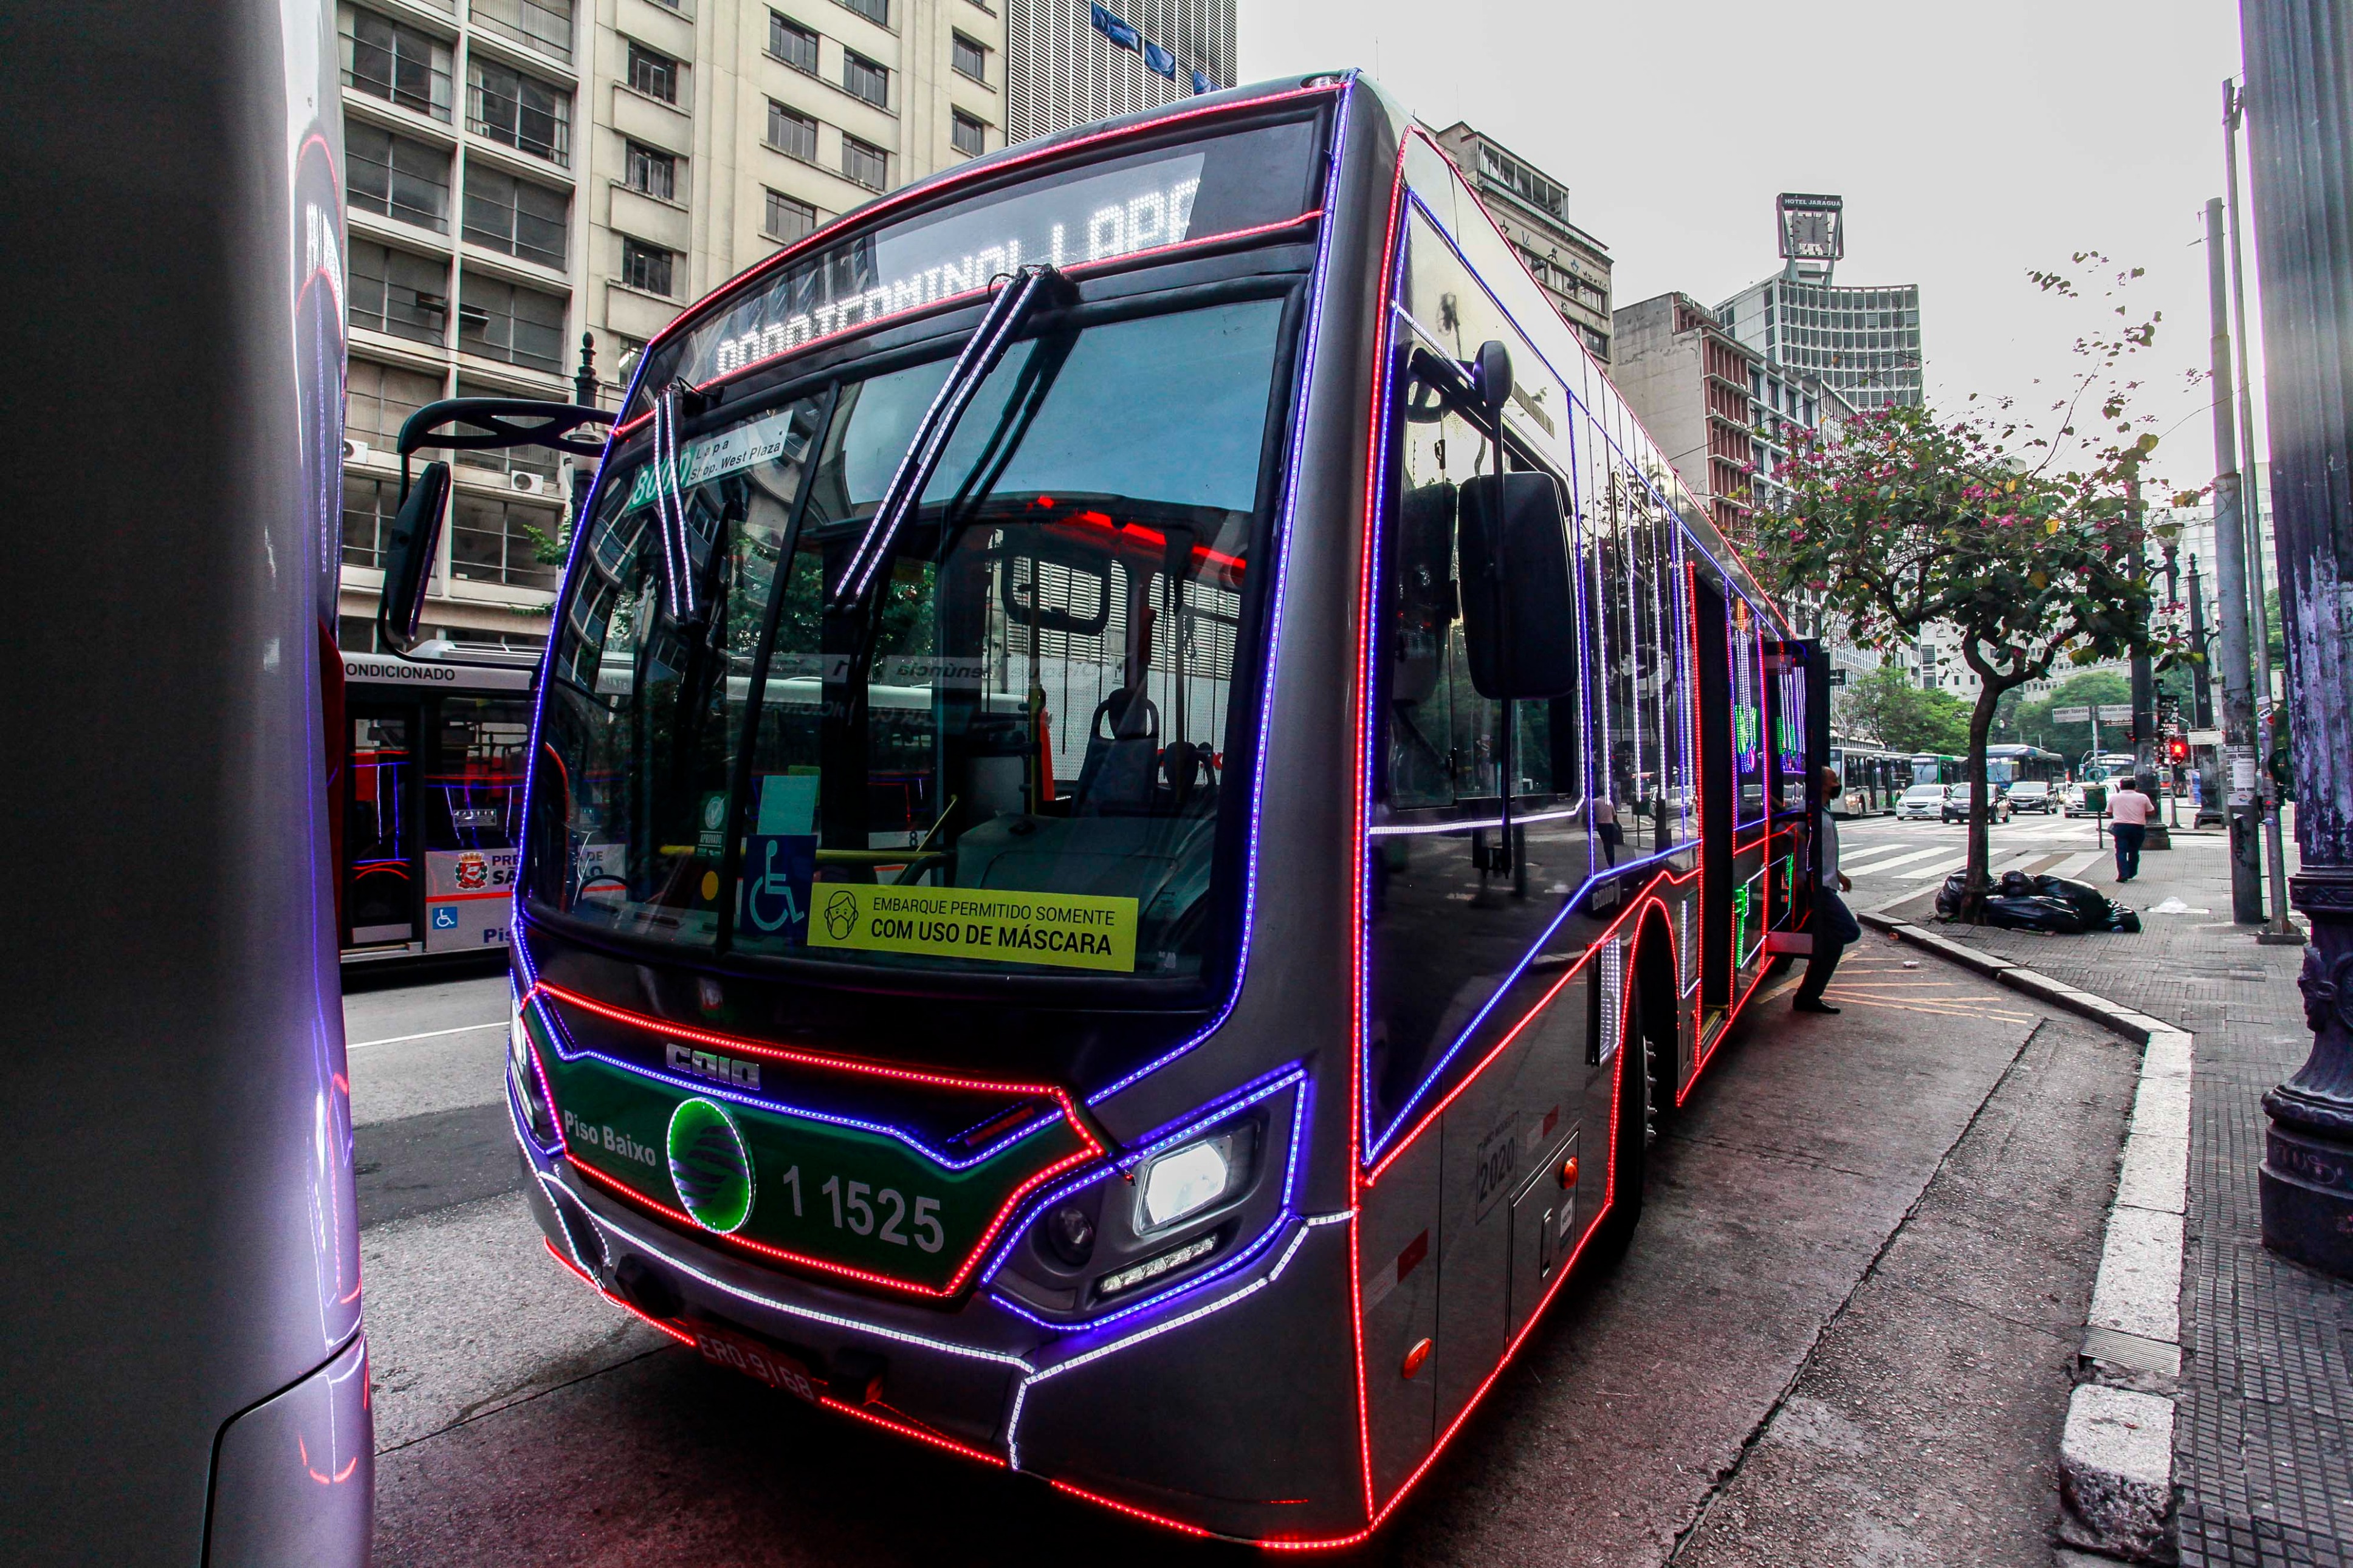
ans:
(2128, 815)
(1832, 925)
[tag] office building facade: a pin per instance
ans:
(1072, 62)
(522, 172)
(1532, 210)
(1688, 381)
(1862, 343)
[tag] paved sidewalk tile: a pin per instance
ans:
(2263, 1447)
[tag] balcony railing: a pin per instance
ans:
(533, 22)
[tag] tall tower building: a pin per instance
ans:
(1071, 61)
(1862, 341)
(522, 172)
(1532, 210)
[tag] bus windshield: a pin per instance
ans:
(1008, 751)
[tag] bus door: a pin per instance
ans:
(472, 818)
(381, 891)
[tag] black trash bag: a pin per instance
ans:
(2017, 902)
(2056, 916)
(2099, 912)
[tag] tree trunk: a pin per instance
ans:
(1980, 800)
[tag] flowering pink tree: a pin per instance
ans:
(1906, 519)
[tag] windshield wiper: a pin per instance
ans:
(980, 356)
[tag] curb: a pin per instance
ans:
(2116, 1454)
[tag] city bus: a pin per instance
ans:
(433, 745)
(182, 1357)
(1940, 767)
(1871, 776)
(1349, 792)
(2010, 764)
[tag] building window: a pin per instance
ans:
(969, 136)
(542, 23)
(968, 57)
(792, 133)
(516, 216)
(861, 77)
(655, 75)
(369, 506)
(792, 43)
(875, 11)
(502, 321)
(526, 113)
(655, 174)
(397, 64)
(379, 398)
(866, 164)
(788, 220)
(492, 540)
(395, 176)
(393, 291)
(645, 266)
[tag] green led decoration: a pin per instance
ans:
(710, 1167)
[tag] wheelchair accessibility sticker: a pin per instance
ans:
(445, 917)
(777, 870)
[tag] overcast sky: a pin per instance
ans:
(1970, 141)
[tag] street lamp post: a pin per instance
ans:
(2298, 56)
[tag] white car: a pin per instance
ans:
(1921, 803)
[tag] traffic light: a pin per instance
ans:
(2176, 749)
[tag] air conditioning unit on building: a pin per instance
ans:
(530, 484)
(355, 451)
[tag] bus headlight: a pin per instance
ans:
(1185, 1181)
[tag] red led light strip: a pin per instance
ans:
(780, 1254)
(1093, 1149)
(574, 1270)
(908, 1429)
(1163, 1520)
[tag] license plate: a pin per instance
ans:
(740, 1352)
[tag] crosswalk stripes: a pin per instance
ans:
(1851, 867)
(2075, 864)
(1941, 868)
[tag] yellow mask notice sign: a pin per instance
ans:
(1075, 931)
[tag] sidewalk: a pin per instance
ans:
(2263, 1434)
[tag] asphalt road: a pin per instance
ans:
(1843, 1335)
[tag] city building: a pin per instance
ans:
(522, 172)
(1862, 341)
(1071, 61)
(1687, 380)
(1532, 210)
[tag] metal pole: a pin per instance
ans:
(2202, 682)
(2144, 687)
(2299, 55)
(2231, 597)
(2282, 931)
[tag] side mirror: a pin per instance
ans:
(1493, 372)
(408, 558)
(1519, 599)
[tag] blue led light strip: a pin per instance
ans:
(1194, 1121)
(1257, 1244)
(561, 1039)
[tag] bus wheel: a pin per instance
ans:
(1632, 1131)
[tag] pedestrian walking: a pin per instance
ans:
(2128, 815)
(1833, 924)
(1604, 825)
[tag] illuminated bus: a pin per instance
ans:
(181, 1344)
(1143, 791)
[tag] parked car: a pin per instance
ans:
(1920, 803)
(2033, 795)
(1956, 805)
